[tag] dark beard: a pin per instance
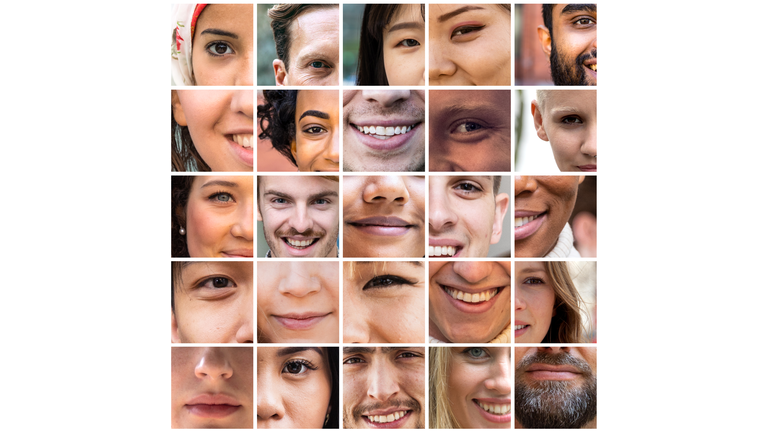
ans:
(555, 404)
(563, 74)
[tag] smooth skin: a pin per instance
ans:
(480, 375)
(403, 44)
(316, 147)
(534, 301)
(568, 120)
(222, 47)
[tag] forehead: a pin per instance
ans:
(237, 17)
(315, 31)
(297, 186)
(326, 101)
(406, 13)
(570, 100)
(529, 267)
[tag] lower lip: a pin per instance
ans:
(588, 168)
(591, 73)
(544, 375)
(212, 411)
(299, 324)
(292, 251)
(391, 425)
(245, 155)
(530, 228)
(227, 255)
(472, 307)
(382, 230)
(520, 332)
(393, 143)
(496, 418)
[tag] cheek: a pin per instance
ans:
(202, 230)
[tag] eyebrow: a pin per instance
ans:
(449, 15)
(368, 350)
(579, 8)
(564, 109)
(315, 113)
(293, 350)
(219, 183)
(311, 197)
(416, 263)
(406, 25)
(219, 32)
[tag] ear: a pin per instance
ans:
(293, 149)
(174, 329)
(538, 123)
(258, 211)
(502, 204)
(585, 233)
(177, 109)
(280, 72)
(545, 39)
(581, 179)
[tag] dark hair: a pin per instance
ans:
(282, 15)
(370, 60)
(180, 187)
(184, 155)
(176, 267)
(279, 113)
(333, 362)
(546, 15)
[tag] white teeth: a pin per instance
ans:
(299, 243)
(495, 408)
(384, 131)
(442, 251)
(524, 220)
(520, 327)
(244, 140)
(471, 297)
(387, 418)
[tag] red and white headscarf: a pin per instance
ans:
(183, 17)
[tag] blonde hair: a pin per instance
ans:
(566, 325)
(440, 413)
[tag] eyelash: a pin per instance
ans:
(386, 281)
(404, 45)
(213, 196)
(591, 20)
(465, 30)
(571, 120)
(305, 365)
(324, 65)
(475, 188)
(318, 132)
(533, 281)
(483, 353)
(203, 283)
(208, 49)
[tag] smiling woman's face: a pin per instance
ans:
(469, 45)
(316, 147)
(403, 44)
(534, 302)
(543, 205)
(384, 216)
(222, 47)
(480, 383)
(298, 302)
(294, 387)
(384, 302)
(468, 301)
(219, 217)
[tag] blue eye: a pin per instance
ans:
(222, 197)
(476, 353)
(318, 65)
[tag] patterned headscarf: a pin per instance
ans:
(184, 17)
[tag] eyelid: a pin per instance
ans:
(398, 281)
(475, 26)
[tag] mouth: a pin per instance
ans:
(300, 321)
(547, 372)
(520, 329)
(382, 225)
(300, 243)
(213, 406)
(588, 168)
(448, 248)
(527, 223)
(467, 297)
(243, 140)
(387, 137)
(392, 420)
(495, 412)
(384, 132)
(239, 253)
(472, 302)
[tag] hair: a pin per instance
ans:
(184, 155)
(176, 267)
(546, 15)
(282, 16)
(370, 59)
(541, 98)
(279, 113)
(333, 362)
(440, 412)
(180, 187)
(566, 325)
(496, 184)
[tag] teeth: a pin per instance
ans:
(382, 132)
(524, 220)
(442, 251)
(472, 297)
(520, 327)
(244, 140)
(299, 243)
(387, 418)
(496, 409)
(593, 67)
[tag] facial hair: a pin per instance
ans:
(555, 404)
(565, 74)
(274, 240)
(348, 419)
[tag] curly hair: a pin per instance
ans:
(566, 325)
(180, 187)
(277, 120)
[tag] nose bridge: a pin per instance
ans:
(332, 148)
(243, 225)
(519, 301)
(473, 271)
(245, 330)
(298, 284)
(501, 380)
(440, 211)
(244, 71)
(268, 399)
(242, 102)
(386, 97)
(214, 365)
(300, 220)
(389, 188)
(383, 384)
(589, 146)
(525, 183)
(439, 61)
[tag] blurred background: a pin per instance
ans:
(531, 64)
(584, 276)
(265, 45)
(532, 155)
(353, 17)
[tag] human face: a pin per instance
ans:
(316, 147)
(534, 302)
(298, 302)
(403, 45)
(213, 303)
(568, 120)
(572, 49)
(470, 130)
(219, 217)
(384, 302)
(211, 387)
(294, 387)
(383, 387)
(556, 387)
(465, 218)
(220, 123)
(300, 215)
(469, 45)
(392, 135)
(313, 55)
(481, 309)
(543, 205)
(384, 216)
(480, 383)
(222, 49)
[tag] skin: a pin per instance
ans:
(213, 117)
(384, 302)
(383, 380)
(219, 217)
(586, 354)
(384, 196)
(534, 301)
(483, 374)
(214, 371)
(403, 44)
(313, 56)
(383, 107)
(293, 288)
(574, 42)
(213, 303)
(294, 388)
(224, 59)
(316, 147)
(450, 324)
(472, 47)
(568, 120)
(550, 197)
(299, 208)
(470, 130)
(464, 211)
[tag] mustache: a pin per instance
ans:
(559, 359)
(407, 403)
(587, 56)
(402, 109)
(294, 232)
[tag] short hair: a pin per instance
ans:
(496, 184)
(566, 325)
(279, 113)
(282, 16)
(180, 187)
(370, 59)
(541, 97)
(440, 411)
(546, 15)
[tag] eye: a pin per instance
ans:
(585, 21)
(386, 281)
(219, 49)
(467, 187)
(476, 353)
(408, 43)
(468, 127)
(464, 30)
(408, 354)
(279, 201)
(571, 120)
(217, 282)
(533, 281)
(314, 130)
(317, 64)
(321, 201)
(353, 360)
(221, 197)
(298, 367)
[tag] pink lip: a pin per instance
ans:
(238, 253)
(213, 405)
(520, 332)
(391, 425)
(382, 225)
(547, 372)
(495, 418)
(588, 168)
(300, 321)
(389, 144)
(530, 228)
(471, 308)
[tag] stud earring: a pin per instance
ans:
(182, 231)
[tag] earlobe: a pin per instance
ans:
(502, 205)
(293, 149)
(177, 109)
(174, 329)
(258, 213)
(545, 39)
(280, 72)
(538, 123)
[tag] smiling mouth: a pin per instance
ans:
(520, 221)
(593, 67)
(243, 140)
(498, 409)
(520, 327)
(443, 251)
(384, 132)
(397, 415)
(467, 297)
(300, 244)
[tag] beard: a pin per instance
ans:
(555, 404)
(564, 73)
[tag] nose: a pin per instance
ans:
(383, 384)
(386, 97)
(555, 350)
(384, 189)
(441, 213)
(355, 328)
(242, 102)
(473, 271)
(519, 302)
(501, 380)
(298, 284)
(245, 332)
(589, 147)
(214, 365)
(440, 65)
(244, 73)
(269, 404)
(243, 226)
(300, 220)
(331, 153)
(525, 184)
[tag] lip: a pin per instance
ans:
(588, 168)
(382, 225)
(522, 331)
(546, 372)
(245, 155)
(213, 405)
(303, 321)
(307, 251)
(391, 425)
(588, 70)
(472, 308)
(238, 253)
(531, 227)
(396, 142)
(495, 418)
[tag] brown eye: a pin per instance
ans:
(219, 49)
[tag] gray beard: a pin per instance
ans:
(414, 166)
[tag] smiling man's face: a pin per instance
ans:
(571, 45)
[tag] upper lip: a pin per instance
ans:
(381, 221)
(242, 130)
(494, 400)
(590, 61)
(386, 411)
(443, 242)
(385, 122)
(302, 315)
(213, 399)
(553, 368)
(473, 290)
(520, 323)
(239, 252)
(526, 213)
